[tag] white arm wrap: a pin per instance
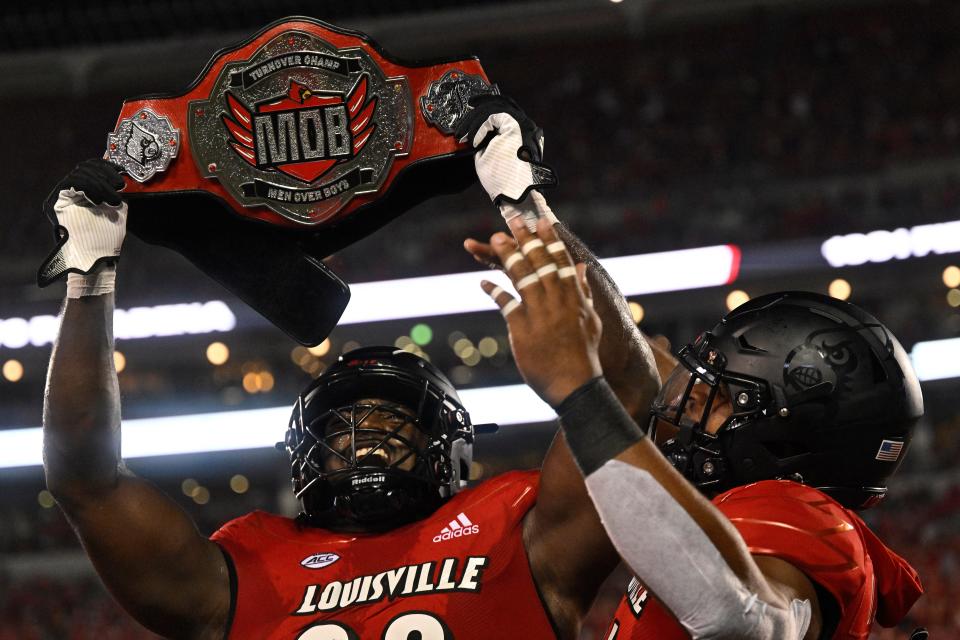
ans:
(535, 206)
(672, 555)
(97, 283)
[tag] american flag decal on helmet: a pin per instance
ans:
(889, 451)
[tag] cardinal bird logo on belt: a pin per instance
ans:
(305, 133)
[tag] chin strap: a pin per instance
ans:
(374, 506)
(382, 499)
(705, 467)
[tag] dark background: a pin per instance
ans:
(771, 125)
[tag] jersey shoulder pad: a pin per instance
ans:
(806, 528)
(504, 499)
(788, 505)
(253, 527)
(513, 486)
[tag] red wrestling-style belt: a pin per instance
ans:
(287, 148)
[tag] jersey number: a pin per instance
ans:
(412, 625)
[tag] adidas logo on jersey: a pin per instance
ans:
(457, 528)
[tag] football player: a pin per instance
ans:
(791, 413)
(386, 545)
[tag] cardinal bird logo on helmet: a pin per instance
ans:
(305, 133)
(826, 356)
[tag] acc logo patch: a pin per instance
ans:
(319, 560)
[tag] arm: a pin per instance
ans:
(690, 547)
(508, 165)
(628, 357)
(564, 511)
(690, 556)
(631, 363)
(568, 577)
(145, 548)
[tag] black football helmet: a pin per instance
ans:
(379, 439)
(807, 387)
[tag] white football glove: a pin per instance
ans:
(508, 158)
(90, 221)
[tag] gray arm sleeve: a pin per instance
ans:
(673, 556)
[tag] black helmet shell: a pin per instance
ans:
(821, 391)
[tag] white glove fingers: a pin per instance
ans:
(505, 172)
(489, 126)
(94, 231)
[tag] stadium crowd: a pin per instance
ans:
(704, 134)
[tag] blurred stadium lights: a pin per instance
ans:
(422, 297)
(258, 428)
(937, 359)
(854, 249)
(262, 428)
(137, 322)
(460, 292)
(405, 298)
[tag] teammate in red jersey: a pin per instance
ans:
(791, 413)
(797, 406)
(386, 546)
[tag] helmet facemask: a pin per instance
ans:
(697, 406)
(377, 446)
(367, 433)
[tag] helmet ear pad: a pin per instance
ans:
(461, 456)
(774, 446)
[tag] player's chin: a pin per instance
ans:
(664, 431)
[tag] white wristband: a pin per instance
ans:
(98, 283)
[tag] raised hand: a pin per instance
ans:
(554, 331)
(89, 217)
(509, 158)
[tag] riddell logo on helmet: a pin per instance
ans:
(457, 528)
(359, 481)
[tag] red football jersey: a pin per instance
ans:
(459, 574)
(811, 531)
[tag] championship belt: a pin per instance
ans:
(287, 148)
